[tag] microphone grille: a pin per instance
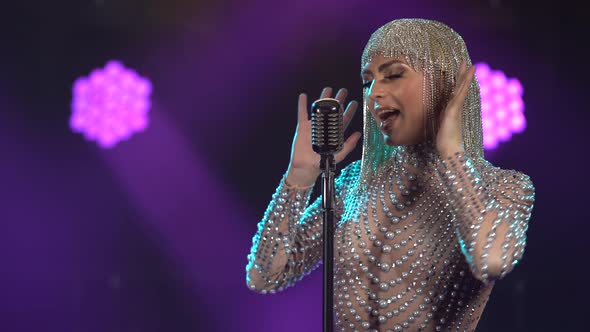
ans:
(327, 127)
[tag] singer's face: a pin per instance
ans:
(394, 92)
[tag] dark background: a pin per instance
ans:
(153, 234)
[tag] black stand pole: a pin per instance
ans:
(328, 166)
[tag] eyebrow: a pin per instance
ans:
(382, 66)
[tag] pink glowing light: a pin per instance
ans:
(502, 105)
(110, 104)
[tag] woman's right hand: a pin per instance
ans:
(304, 167)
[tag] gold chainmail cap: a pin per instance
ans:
(436, 50)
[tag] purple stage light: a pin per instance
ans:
(501, 105)
(111, 104)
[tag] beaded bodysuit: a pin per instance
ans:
(417, 248)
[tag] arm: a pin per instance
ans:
(288, 244)
(271, 263)
(491, 215)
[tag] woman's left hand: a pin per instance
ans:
(449, 139)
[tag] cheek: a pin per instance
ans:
(418, 97)
(414, 101)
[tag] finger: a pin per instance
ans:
(463, 71)
(459, 78)
(459, 84)
(462, 67)
(349, 113)
(467, 79)
(302, 115)
(326, 93)
(341, 96)
(348, 146)
(463, 89)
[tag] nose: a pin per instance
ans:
(375, 91)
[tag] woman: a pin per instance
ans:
(425, 225)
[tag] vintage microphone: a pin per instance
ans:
(327, 138)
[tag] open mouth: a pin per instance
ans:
(387, 117)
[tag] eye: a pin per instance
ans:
(394, 76)
(367, 84)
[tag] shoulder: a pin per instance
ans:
(349, 174)
(351, 170)
(493, 176)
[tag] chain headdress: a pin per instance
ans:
(436, 50)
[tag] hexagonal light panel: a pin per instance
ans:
(502, 106)
(110, 104)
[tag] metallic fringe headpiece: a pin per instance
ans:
(436, 50)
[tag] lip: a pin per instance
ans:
(388, 122)
(384, 123)
(380, 109)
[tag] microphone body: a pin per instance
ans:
(327, 128)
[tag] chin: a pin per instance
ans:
(399, 141)
(391, 141)
(394, 138)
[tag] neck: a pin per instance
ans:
(418, 156)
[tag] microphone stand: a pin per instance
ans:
(327, 128)
(328, 166)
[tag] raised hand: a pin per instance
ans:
(304, 167)
(449, 138)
